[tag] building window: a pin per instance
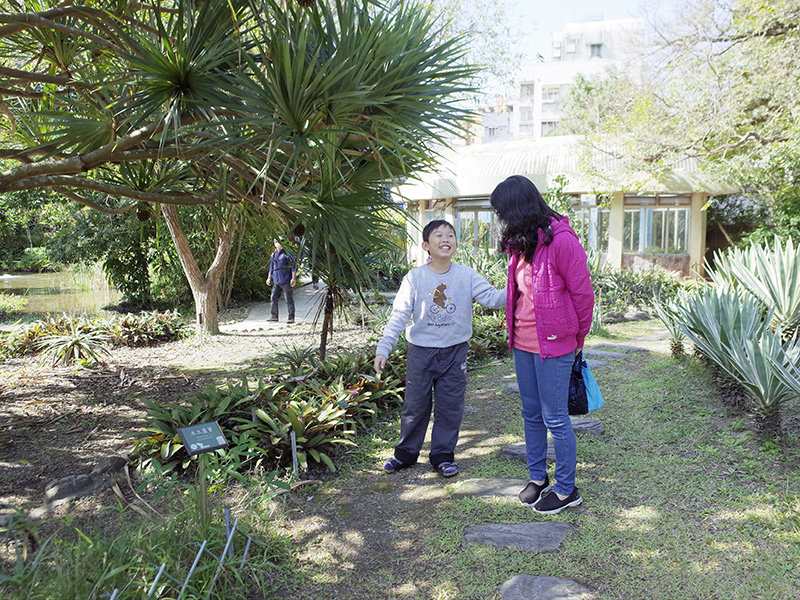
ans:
(549, 127)
(474, 228)
(433, 214)
(656, 230)
(596, 50)
(551, 95)
(491, 131)
(527, 90)
(526, 115)
(591, 225)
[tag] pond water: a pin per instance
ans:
(56, 293)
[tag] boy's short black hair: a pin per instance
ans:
(426, 232)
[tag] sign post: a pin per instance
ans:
(197, 439)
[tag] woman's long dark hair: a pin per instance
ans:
(523, 213)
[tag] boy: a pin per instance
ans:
(437, 297)
(282, 270)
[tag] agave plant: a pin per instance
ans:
(732, 329)
(787, 365)
(770, 274)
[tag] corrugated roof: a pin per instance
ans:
(476, 170)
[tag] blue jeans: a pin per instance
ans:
(543, 388)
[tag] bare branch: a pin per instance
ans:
(82, 162)
(181, 199)
(38, 21)
(42, 78)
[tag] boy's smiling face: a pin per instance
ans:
(442, 243)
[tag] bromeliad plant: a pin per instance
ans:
(81, 342)
(65, 339)
(323, 409)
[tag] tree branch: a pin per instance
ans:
(82, 162)
(94, 205)
(113, 189)
(39, 21)
(41, 78)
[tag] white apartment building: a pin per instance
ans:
(586, 48)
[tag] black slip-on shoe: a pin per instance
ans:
(533, 492)
(550, 504)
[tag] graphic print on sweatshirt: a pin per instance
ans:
(442, 309)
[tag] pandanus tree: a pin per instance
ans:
(271, 113)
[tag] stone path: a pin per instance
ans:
(537, 536)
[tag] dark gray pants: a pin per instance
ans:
(276, 295)
(439, 373)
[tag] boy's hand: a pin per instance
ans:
(380, 362)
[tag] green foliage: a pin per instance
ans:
(748, 324)
(490, 264)
(625, 289)
(9, 304)
(323, 404)
(147, 329)
(72, 563)
(63, 336)
(81, 342)
(34, 260)
(162, 442)
(732, 329)
(770, 274)
(388, 268)
(489, 337)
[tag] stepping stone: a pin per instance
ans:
(481, 487)
(527, 536)
(579, 425)
(530, 587)
(587, 425)
(593, 353)
(596, 364)
(623, 347)
(517, 452)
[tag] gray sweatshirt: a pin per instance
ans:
(439, 306)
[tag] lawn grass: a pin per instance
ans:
(683, 499)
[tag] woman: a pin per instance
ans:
(549, 305)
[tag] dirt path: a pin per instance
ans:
(367, 526)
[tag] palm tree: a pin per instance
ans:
(279, 115)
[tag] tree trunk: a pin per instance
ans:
(327, 323)
(205, 289)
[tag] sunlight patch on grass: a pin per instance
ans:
(406, 589)
(640, 518)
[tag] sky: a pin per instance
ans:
(540, 18)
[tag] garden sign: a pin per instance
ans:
(202, 437)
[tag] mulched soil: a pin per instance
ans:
(62, 421)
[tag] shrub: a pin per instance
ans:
(9, 304)
(144, 329)
(633, 289)
(732, 329)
